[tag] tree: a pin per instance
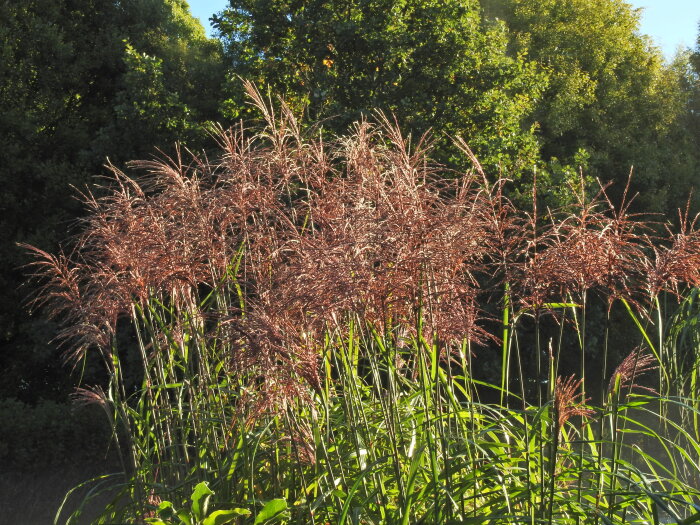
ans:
(83, 80)
(432, 63)
(611, 101)
(691, 78)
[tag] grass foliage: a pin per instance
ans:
(309, 316)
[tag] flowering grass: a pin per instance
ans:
(309, 315)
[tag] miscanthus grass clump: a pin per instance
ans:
(309, 315)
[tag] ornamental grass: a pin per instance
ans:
(310, 316)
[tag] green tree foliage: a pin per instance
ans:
(80, 81)
(692, 85)
(611, 101)
(432, 63)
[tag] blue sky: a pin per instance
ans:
(203, 9)
(671, 23)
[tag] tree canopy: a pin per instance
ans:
(433, 64)
(80, 82)
(610, 95)
(550, 85)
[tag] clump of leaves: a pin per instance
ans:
(198, 513)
